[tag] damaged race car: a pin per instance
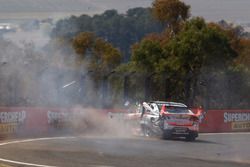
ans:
(169, 120)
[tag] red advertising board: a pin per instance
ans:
(12, 120)
(23, 120)
(217, 121)
(226, 121)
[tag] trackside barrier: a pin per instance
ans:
(40, 121)
(225, 121)
(15, 120)
(22, 120)
(25, 120)
(213, 121)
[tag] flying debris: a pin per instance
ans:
(69, 84)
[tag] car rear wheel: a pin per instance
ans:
(190, 137)
(167, 135)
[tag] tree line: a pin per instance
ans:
(155, 53)
(169, 55)
(122, 30)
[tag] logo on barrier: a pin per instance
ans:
(241, 125)
(236, 117)
(58, 119)
(11, 121)
(239, 121)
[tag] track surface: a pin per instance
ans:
(213, 150)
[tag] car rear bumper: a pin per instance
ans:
(181, 132)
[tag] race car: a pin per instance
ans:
(169, 120)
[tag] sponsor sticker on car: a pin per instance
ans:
(180, 130)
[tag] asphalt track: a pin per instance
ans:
(210, 150)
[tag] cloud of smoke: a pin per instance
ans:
(39, 37)
(35, 69)
(39, 72)
(88, 121)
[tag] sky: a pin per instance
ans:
(212, 10)
(236, 11)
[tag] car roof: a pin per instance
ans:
(174, 104)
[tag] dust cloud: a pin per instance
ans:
(37, 71)
(92, 122)
(34, 68)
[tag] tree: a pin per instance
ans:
(244, 55)
(147, 54)
(196, 48)
(121, 30)
(100, 58)
(96, 52)
(82, 42)
(171, 13)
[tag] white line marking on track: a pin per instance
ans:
(23, 163)
(30, 140)
(37, 139)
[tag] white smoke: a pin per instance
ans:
(88, 121)
(38, 37)
(34, 69)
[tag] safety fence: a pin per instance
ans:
(23, 120)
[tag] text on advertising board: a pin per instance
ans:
(236, 117)
(10, 121)
(12, 117)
